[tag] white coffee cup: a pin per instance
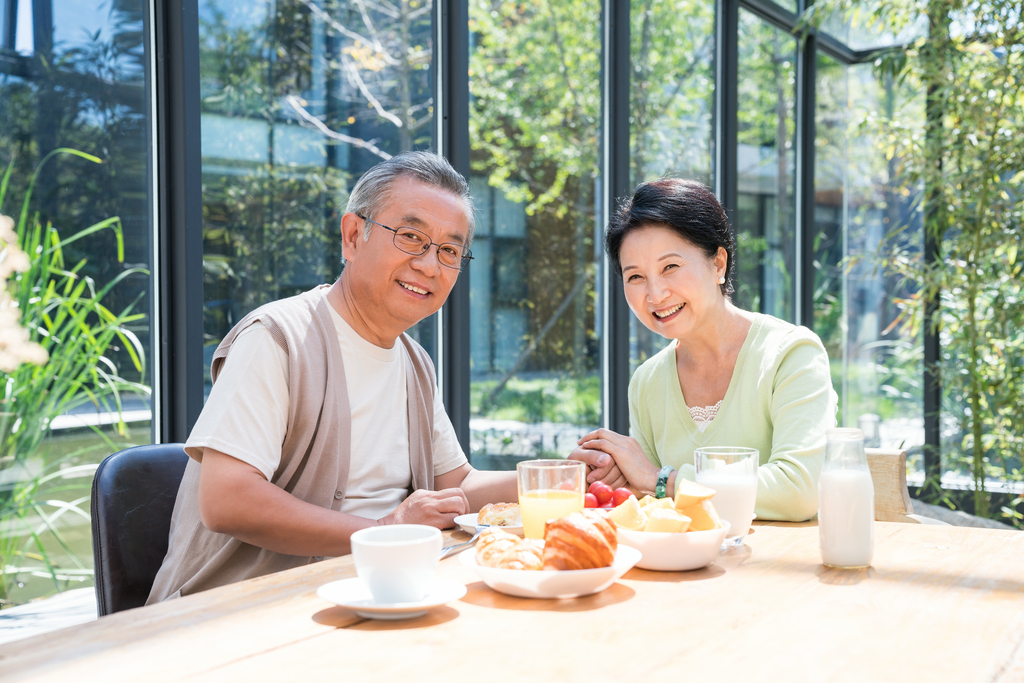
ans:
(397, 563)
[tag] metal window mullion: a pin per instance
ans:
(805, 113)
(180, 227)
(727, 19)
(153, 174)
(451, 92)
(615, 74)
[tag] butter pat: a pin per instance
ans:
(664, 520)
(628, 515)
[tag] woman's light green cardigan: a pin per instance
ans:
(780, 401)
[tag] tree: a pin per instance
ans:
(969, 164)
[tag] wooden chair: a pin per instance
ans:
(892, 499)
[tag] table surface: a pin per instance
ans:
(939, 604)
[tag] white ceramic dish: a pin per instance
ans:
(554, 584)
(667, 552)
(468, 524)
(353, 594)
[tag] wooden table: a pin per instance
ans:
(940, 604)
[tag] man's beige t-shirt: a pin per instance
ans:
(246, 416)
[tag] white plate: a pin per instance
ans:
(555, 584)
(667, 552)
(468, 524)
(353, 594)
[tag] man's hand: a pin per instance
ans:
(433, 508)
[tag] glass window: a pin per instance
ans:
(299, 98)
(73, 74)
(534, 127)
(671, 108)
(857, 24)
(830, 193)
(878, 361)
(765, 215)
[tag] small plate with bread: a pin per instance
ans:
(579, 556)
(504, 516)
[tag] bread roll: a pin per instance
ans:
(499, 514)
(582, 540)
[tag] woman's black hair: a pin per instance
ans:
(686, 207)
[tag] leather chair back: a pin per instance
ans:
(133, 496)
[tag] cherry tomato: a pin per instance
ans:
(601, 491)
(567, 485)
(620, 496)
(589, 500)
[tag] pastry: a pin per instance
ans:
(526, 554)
(582, 540)
(492, 544)
(499, 514)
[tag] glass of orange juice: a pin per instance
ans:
(549, 489)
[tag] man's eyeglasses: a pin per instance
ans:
(416, 242)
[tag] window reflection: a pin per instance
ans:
(865, 208)
(299, 98)
(830, 192)
(73, 74)
(765, 215)
(884, 353)
(671, 106)
(534, 126)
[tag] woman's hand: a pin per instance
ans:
(609, 454)
(600, 467)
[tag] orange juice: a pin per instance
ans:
(537, 507)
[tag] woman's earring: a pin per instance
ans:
(721, 280)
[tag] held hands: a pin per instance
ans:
(616, 460)
(433, 508)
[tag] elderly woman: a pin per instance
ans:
(729, 377)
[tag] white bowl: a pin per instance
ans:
(554, 584)
(667, 552)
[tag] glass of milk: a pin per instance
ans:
(846, 502)
(732, 473)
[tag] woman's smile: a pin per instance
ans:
(666, 314)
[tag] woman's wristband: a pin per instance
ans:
(663, 475)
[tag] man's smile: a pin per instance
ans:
(413, 288)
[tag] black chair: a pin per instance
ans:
(133, 496)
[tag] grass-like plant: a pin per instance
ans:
(63, 311)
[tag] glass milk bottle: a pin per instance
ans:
(846, 502)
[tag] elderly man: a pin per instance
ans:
(325, 414)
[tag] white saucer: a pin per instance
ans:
(353, 594)
(469, 525)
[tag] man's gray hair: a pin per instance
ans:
(374, 190)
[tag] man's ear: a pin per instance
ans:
(352, 227)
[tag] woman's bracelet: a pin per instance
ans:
(659, 489)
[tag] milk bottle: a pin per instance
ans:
(846, 502)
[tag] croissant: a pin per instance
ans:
(526, 554)
(582, 540)
(492, 544)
